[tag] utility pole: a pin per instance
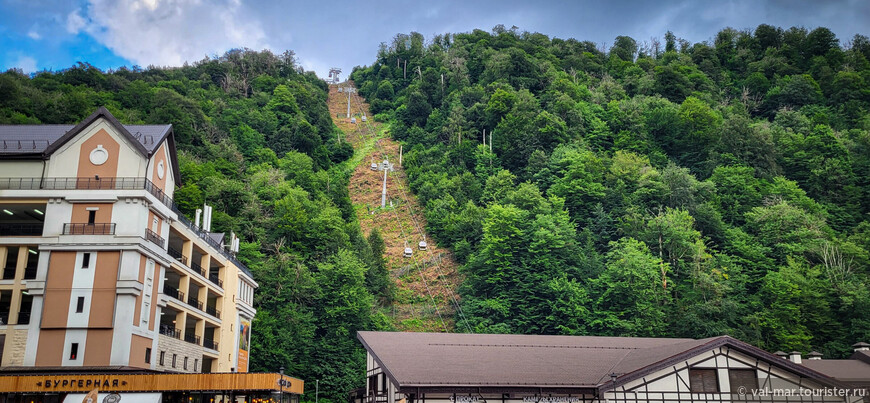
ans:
(316, 390)
(386, 167)
(349, 90)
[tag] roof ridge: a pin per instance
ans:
(531, 345)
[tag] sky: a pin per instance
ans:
(38, 35)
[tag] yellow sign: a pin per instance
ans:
(148, 383)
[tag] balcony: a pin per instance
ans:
(89, 229)
(73, 183)
(21, 229)
(154, 238)
(177, 255)
(197, 268)
(209, 343)
(213, 312)
(170, 331)
(173, 292)
(194, 303)
(191, 337)
(213, 277)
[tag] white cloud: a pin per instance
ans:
(26, 63)
(75, 22)
(170, 32)
(34, 35)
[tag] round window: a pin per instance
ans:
(99, 155)
(161, 170)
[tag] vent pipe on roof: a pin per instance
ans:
(781, 354)
(814, 355)
(861, 346)
(198, 216)
(206, 218)
(795, 357)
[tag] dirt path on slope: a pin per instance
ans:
(430, 275)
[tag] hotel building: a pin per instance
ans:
(100, 270)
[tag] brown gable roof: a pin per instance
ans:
(431, 360)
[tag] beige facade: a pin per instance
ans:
(99, 268)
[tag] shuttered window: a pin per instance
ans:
(746, 378)
(703, 381)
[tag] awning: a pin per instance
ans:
(108, 397)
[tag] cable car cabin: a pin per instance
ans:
(374, 166)
(408, 252)
(353, 120)
(423, 245)
(364, 118)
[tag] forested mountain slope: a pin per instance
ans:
(674, 189)
(423, 294)
(256, 141)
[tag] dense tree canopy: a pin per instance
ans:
(679, 190)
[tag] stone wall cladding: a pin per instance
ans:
(171, 345)
(17, 339)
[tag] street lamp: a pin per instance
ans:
(281, 382)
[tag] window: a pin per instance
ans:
(174, 356)
(147, 355)
(185, 363)
(92, 217)
(195, 364)
(746, 378)
(162, 358)
(86, 260)
(377, 384)
(80, 305)
(74, 351)
(703, 381)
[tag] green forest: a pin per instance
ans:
(661, 188)
(256, 142)
(658, 188)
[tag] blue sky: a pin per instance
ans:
(55, 34)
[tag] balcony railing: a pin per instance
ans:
(209, 343)
(89, 229)
(154, 238)
(21, 229)
(177, 255)
(197, 268)
(173, 292)
(170, 331)
(213, 311)
(213, 277)
(24, 318)
(191, 337)
(194, 303)
(115, 183)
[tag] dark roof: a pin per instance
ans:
(850, 371)
(432, 360)
(21, 141)
(33, 139)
